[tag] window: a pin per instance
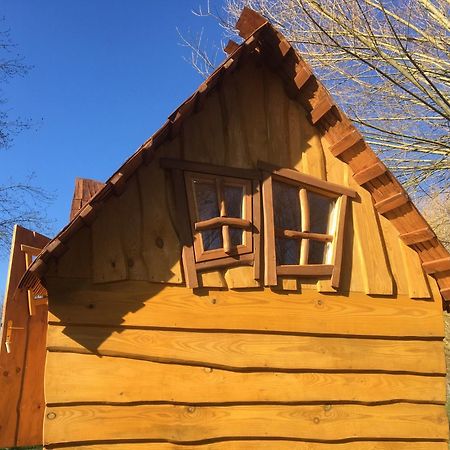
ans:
(303, 222)
(218, 216)
(221, 215)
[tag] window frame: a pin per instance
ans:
(191, 267)
(305, 183)
(222, 221)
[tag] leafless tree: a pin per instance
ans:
(20, 201)
(387, 63)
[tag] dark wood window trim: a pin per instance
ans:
(331, 270)
(222, 222)
(189, 230)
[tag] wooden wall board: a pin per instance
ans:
(97, 422)
(76, 262)
(161, 246)
(235, 350)
(76, 378)
(377, 274)
(108, 259)
(146, 304)
(19, 370)
(268, 445)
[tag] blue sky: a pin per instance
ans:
(106, 74)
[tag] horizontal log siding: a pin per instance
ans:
(132, 366)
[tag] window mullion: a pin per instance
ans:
(305, 217)
(223, 213)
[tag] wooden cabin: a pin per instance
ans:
(253, 277)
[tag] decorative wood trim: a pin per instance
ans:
(437, 265)
(231, 47)
(211, 169)
(270, 262)
(257, 229)
(291, 234)
(229, 261)
(188, 259)
(221, 221)
(313, 270)
(302, 76)
(338, 246)
(391, 203)
(323, 106)
(417, 236)
(349, 140)
(369, 173)
(307, 179)
(305, 221)
(226, 250)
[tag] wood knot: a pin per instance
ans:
(191, 409)
(213, 301)
(316, 420)
(159, 242)
(327, 407)
(51, 416)
(130, 262)
(208, 369)
(5, 373)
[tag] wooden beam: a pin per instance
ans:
(338, 247)
(193, 166)
(437, 265)
(347, 142)
(417, 236)
(391, 203)
(307, 179)
(311, 270)
(323, 106)
(187, 255)
(302, 76)
(369, 173)
(216, 222)
(270, 261)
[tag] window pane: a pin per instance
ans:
(320, 208)
(316, 252)
(206, 200)
(212, 239)
(287, 251)
(233, 196)
(236, 235)
(286, 206)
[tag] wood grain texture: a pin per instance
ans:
(15, 375)
(94, 423)
(75, 377)
(242, 350)
(372, 257)
(146, 304)
(268, 445)
(161, 246)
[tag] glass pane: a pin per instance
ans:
(206, 200)
(320, 208)
(316, 252)
(286, 206)
(233, 196)
(287, 251)
(236, 236)
(212, 239)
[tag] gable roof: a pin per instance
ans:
(346, 143)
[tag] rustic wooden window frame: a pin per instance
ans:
(191, 266)
(222, 221)
(305, 183)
